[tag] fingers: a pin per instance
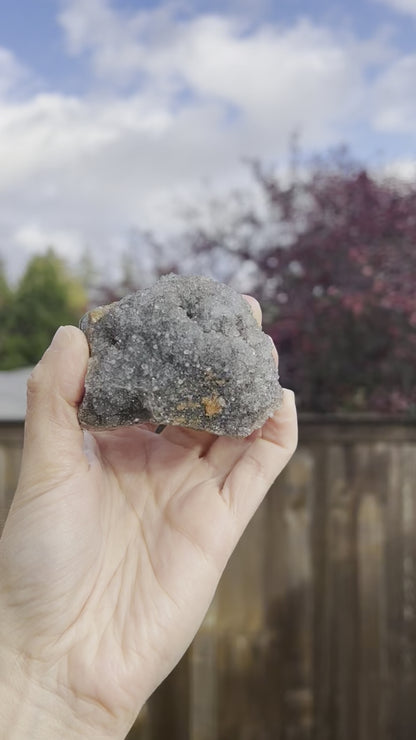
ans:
(53, 436)
(263, 459)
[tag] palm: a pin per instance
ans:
(169, 532)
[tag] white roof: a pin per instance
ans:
(13, 394)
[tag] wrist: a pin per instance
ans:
(30, 707)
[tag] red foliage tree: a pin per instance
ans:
(333, 261)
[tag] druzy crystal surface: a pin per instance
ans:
(186, 351)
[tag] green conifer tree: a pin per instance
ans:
(46, 297)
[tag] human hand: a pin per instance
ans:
(112, 552)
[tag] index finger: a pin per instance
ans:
(263, 460)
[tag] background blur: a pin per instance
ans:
(271, 145)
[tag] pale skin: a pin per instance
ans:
(112, 552)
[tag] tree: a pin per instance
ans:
(332, 258)
(5, 302)
(46, 297)
(349, 279)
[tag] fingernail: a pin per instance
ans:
(254, 306)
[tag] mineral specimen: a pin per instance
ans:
(186, 351)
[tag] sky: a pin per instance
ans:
(116, 114)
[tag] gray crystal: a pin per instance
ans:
(186, 351)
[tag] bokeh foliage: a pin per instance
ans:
(330, 253)
(46, 297)
(331, 256)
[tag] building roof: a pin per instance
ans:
(13, 394)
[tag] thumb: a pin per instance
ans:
(53, 439)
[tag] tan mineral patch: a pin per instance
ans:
(185, 405)
(213, 405)
(97, 313)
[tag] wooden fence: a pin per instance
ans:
(312, 634)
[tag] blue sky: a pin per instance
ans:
(114, 111)
(31, 29)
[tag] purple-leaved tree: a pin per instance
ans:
(332, 259)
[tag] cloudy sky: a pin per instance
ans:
(114, 111)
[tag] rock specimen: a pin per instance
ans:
(186, 351)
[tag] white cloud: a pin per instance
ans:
(52, 131)
(402, 6)
(86, 22)
(294, 70)
(12, 73)
(172, 101)
(394, 97)
(267, 81)
(116, 40)
(34, 238)
(401, 169)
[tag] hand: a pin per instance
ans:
(114, 547)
